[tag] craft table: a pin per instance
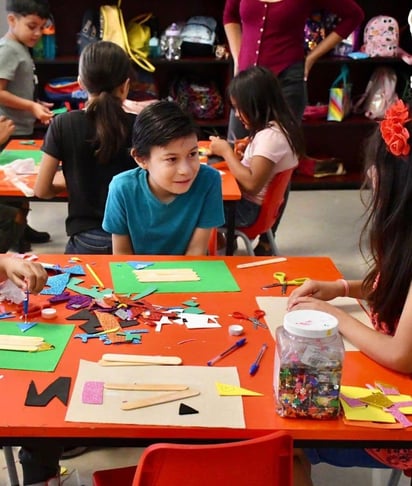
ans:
(230, 189)
(196, 347)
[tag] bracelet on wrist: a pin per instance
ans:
(345, 286)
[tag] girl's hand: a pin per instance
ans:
(317, 289)
(24, 274)
(240, 147)
(219, 146)
(304, 303)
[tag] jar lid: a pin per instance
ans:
(310, 323)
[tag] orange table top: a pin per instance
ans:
(230, 188)
(18, 421)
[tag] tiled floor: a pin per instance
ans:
(314, 223)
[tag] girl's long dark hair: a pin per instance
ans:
(258, 96)
(389, 223)
(103, 67)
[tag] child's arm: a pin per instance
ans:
(325, 290)
(38, 110)
(6, 129)
(199, 242)
(46, 187)
(22, 273)
(253, 178)
(394, 352)
(122, 245)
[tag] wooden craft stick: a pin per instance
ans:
(143, 358)
(145, 387)
(157, 400)
(21, 347)
(166, 275)
(95, 276)
(103, 362)
(11, 339)
(169, 278)
(261, 262)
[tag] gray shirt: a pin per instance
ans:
(16, 65)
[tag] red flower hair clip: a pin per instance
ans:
(393, 129)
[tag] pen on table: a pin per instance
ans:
(235, 346)
(95, 276)
(255, 365)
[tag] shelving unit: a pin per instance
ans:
(343, 140)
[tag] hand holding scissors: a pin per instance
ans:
(284, 283)
(257, 315)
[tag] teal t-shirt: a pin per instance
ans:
(157, 228)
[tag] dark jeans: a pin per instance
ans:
(246, 213)
(10, 231)
(40, 462)
(295, 92)
(93, 242)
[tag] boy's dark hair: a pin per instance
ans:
(259, 97)
(158, 124)
(29, 7)
(103, 67)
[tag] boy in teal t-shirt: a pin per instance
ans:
(170, 203)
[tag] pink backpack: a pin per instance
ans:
(381, 36)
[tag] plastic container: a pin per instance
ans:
(171, 41)
(49, 40)
(308, 365)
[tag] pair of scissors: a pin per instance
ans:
(255, 320)
(284, 283)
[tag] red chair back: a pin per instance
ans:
(262, 461)
(271, 204)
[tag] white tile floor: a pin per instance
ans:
(315, 223)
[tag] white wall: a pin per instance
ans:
(3, 17)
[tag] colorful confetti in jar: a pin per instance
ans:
(308, 365)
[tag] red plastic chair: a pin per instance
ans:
(263, 461)
(268, 215)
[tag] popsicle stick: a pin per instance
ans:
(16, 347)
(103, 362)
(169, 278)
(8, 339)
(143, 358)
(145, 387)
(261, 262)
(157, 400)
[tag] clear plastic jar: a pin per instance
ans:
(308, 365)
(171, 41)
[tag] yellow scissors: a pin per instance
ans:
(284, 283)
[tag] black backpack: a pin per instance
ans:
(91, 30)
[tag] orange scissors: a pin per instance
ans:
(255, 320)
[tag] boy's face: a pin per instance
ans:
(172, 168)
(26, 29)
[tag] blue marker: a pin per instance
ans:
(235, 346)
(26, 305)
(255, 365)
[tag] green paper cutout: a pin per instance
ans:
(191, 303)
(8, 156)
(56, 334)
(193, 310)
(214, 277)
(94, 291)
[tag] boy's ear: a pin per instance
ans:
(79, 80)
(140, 161)
(11, 19)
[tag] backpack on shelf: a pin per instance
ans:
(198, 36)
(200, 98)
(90, 30)
(381, 37)
(380, 93)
